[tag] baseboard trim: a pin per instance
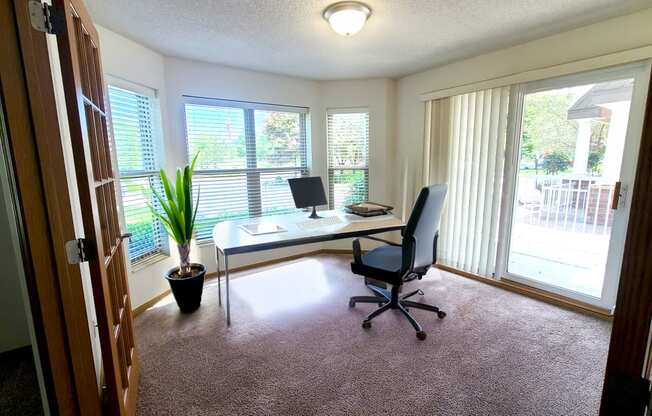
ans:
(153, 301)
(506, 284)
(539, 294)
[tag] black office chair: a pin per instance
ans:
(395, 264)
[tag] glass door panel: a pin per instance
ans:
(572, 143)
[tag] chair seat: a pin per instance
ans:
(382, 263)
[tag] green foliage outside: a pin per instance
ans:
(355, 183)
(348, 152)
(549, 138)
(278, 141)
(555, 162)
(599, 131)
(547, 130)
(140, 222)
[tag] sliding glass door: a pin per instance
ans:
(575, 143)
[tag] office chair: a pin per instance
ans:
(395, 264)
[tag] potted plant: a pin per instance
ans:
(178, 216)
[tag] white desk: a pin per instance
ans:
(230, 239)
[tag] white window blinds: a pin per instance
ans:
(348, 157)
(247, 152)
(465, 147)
(135, 129)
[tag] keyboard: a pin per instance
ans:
(318, 223)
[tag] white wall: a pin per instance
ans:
(614, 35)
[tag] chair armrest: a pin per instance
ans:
(391, 243)
(357, 251)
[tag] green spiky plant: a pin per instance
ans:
(179, 214)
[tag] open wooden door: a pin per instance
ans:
(87, 116)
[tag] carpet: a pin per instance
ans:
(296, 348)
(19, 390)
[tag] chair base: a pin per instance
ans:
(387, 300)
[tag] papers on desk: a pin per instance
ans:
(262, 228)
(368, 209)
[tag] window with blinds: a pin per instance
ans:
(348, 157)
(247, 152)
(135, 128)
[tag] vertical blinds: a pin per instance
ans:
(247, 152)
(348, 157)
(465, 147)
(135, 128)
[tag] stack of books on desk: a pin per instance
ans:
(368, 209)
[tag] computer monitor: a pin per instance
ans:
(308, 192)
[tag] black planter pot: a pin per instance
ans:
(187, 290)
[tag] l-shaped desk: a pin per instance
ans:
(229, 238)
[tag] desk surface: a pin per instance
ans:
(231, 239)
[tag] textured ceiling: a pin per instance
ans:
(290, 37)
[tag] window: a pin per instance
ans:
(247, 152)
(348, 157)
(136, 132)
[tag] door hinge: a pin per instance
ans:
(46, 18)
(78, 251)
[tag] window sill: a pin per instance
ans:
(205, 242)
(148, 261)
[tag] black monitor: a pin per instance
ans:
(308, 192)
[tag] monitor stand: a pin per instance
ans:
(314, 213)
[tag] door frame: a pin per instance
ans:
(640, 71)
(54, 286)
(626, 390)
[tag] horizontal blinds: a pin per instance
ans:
(246, 156)
(148, 237)
(348, 157)
(467, 138)
(131, 115)
(135, 129)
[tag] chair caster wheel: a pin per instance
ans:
(366, 324)
(441, 314)
(421, 335)
(351, 304)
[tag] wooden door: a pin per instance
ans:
(87, 115)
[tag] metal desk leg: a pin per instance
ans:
(228, 304)
(219, 278)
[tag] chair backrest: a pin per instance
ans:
(421, 230)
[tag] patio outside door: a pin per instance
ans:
(577, 141)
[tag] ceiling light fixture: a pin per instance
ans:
(347, 17)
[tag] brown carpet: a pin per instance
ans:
(295, 348)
